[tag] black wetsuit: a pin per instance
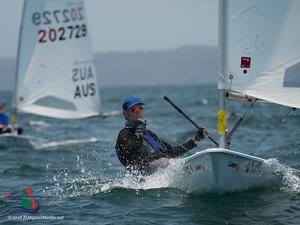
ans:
(136, 154)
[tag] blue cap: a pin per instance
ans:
(131, 101)
(2, 104)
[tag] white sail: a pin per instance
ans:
(56, 75)
(261, 49)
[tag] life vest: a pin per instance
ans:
(154, 144)
(4, 120)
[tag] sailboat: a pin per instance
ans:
(56, 75)
(259, 58)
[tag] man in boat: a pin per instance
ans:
(4, 119)
(5, 126)
(140, 150)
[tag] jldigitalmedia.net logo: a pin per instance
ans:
(34, 217)
(25, 202)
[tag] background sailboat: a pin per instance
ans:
(259, 56)
(56, 75)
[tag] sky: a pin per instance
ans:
(130, 25)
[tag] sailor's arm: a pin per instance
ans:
(175, 151)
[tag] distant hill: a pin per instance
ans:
(185, 65)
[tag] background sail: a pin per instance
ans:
(56, 75)
(261, 49)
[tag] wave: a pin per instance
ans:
(170, 177)
(39, 123)
(24, 169)
(87, 185)
(290, 176)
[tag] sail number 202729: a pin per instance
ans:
(48, 21)
(62, 33)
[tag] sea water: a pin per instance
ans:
(86, 184)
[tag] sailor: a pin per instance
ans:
(4, 119)
(5, 126)
(140, 150)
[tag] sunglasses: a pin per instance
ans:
(137, 108)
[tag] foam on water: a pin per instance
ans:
(64, 184)
(162, 178)
(39, 123)
(290, 176)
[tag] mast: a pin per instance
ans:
(14, 100)
(222, 112)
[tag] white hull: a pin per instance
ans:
(219, 170)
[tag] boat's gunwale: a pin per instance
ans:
(224, 151)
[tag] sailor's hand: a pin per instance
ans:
(200, 135)
(140, 128)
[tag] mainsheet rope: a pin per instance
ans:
(165, 136)
(275, 127)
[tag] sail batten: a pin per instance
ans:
(262, 50)
(55, 60)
